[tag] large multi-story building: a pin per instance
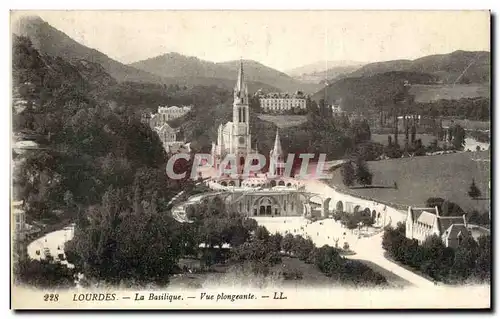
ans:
(277, 102)
(166, 133)
(159, 123)
(164, 114)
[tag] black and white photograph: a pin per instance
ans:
(250, 159)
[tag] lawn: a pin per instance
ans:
(283, 121)
(429, 93)
(418, 178)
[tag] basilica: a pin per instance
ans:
(269, 194)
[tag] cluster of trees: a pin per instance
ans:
(43, 274)
(86, 146)
(333, 136)
(148, 96)
(477, 108)
(351, 221)
(356, 171)
(470, 261)
(127, 239)
(100, 167)
(447, 208)
(329, 261)
(261, 252)
(456, 137)
(215, 225)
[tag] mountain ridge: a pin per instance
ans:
(459, 66)
(174, 64)
(53, 42)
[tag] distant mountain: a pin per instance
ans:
(255, 71)
(175, 65)
(457, 67)
(319, 67)
(48, 40)
(328, 76)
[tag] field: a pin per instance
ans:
(428, 93)
(283, 121)
(418, 178)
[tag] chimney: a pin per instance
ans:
(437, 211)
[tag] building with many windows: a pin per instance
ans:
(276, 102)
(165, 114)
(159, 124)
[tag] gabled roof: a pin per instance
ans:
(445, 222)
(165, 127)
(424, 216)
(455, 231)
(429, 218)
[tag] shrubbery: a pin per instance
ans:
(470, 261)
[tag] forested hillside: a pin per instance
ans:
(86, 147)
(365, 93)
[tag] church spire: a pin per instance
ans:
(240, 83)
(277, 150)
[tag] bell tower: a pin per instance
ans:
(241, 138)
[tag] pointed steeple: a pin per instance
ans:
(277, 150)
(240, 83)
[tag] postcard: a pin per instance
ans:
(251, 160)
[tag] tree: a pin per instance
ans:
(43, 274)
(261, 233)
(287, 243)
(465, 259)
(445, 207)
(483, 265)
(363, 174)
(474, 192)
(458, 140)
(275, 241)
(120, 244)
(360, 131)
(348, 173)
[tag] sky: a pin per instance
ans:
(279, 39)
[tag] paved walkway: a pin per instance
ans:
(53, 244)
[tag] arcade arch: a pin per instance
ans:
(339, 207)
